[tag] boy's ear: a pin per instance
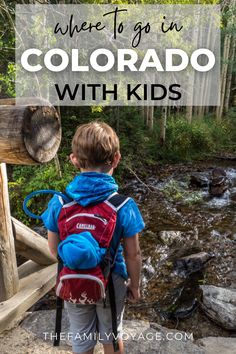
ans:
(74, 160)
(116, 160)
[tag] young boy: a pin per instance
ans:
(95, 152)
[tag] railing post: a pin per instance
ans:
(9, 280)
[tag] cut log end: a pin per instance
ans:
(41, 133)
(30, 133)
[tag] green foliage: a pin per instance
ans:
(7, 81)
(30, 178)
(204, 137)
(177, 192)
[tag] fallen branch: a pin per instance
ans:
(144, 305)
(150, 188)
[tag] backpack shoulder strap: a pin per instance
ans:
(117, 201)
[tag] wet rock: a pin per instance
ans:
(184, 311)
(199, 180)
(41, 230)
(169, 237)
(148, 269)
(218, 345)
(233, 196)
(219, 182)
(218, 172)
(185, 250)
(47, 302)
(219, 304)
(140, 337)
(181, 301)
(218, 190)
(192, 263)
(150, 234)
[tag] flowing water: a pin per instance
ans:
(182, 220)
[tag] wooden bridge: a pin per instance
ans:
(29, 134)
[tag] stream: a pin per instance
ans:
(181, 220)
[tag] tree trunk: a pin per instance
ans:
(150, 117)
(192, 79)
(219, 111)
(145, 115)
(205, 91)
(229, 76)
(189, 114)
(163, 126)
(201, 111)
(117, 119)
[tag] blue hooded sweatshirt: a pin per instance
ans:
(90, 188)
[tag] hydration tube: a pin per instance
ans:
(41, 191)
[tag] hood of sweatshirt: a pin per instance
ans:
(91, 188)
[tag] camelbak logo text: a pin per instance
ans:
(85, 226)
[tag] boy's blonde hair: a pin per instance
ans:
(95, 144)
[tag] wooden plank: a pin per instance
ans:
(31, 245)
(8, 267)
(29, 133)
(32, 288)
(28, 268)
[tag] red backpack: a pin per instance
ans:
(87, 286)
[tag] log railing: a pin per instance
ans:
(30, 133)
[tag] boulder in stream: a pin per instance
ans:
(199, 179)
(219, 304)
(219, 182)
(192, 263)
